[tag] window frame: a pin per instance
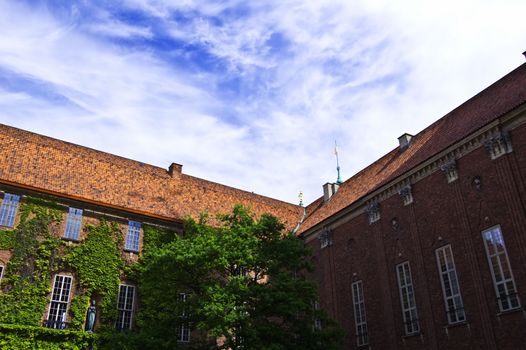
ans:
(59, 322)
(125, 311)
(9, 209)
(411, 325)
(73, 224)
(183, 329)
(360, 316)
(505, 282)
(2, 269)
(133, 236)
(456, 314)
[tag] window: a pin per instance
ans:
(1, 272)
(450, 286)
(183, 330)
(360, 321)
(499, 265)
(59, 302)
(317, 321)
(407, 299)
(325, 237)
(132, 238)
(73, 224)
(406, 194)
(8, 209)
(125, 307)
(373, 212)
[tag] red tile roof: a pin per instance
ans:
(49, 165)
(501, 97)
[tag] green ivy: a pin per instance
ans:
(79, 308)
(34, 256)
(97, 263)
(155, 237)
(38, 338)
(7, 239)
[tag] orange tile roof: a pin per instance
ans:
(49, 165)
(501, 97)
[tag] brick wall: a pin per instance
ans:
(441, 214)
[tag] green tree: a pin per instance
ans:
(245, 284)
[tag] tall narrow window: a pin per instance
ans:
(499, 265)
(133, 236)
(362, 337)
(407, 299)
(183, 331)
(8, 209)
(450, 286)
(73, 224)
(317, 321)
(59, 302)
(1, 272)
(125, 307)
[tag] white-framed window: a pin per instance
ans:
(125, 307)
(499, 265)
(450, 286)
(8, 209)
(407, 299)
(362, 337)
(1, 272)
(133, 236)
(58, 309)
(183, 330)
(73, 224)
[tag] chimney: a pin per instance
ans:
(404, 141)
(329, 189)
(524, 53)
(175, 170)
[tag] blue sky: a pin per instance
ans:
(251, 94)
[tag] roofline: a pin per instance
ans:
(244, 191)
(498, 120)
(92, 202)
(156, 167)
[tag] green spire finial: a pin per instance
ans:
(339, 179)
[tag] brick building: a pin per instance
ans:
(422, 249)
(87, 185)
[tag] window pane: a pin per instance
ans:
(73, 224)
(133, 236)
(8, 209)
(359, 313)
(125, 307)
(499, 264)
(407, 299)
(59, 302)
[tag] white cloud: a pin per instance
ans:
(361, 72)
(118, 29)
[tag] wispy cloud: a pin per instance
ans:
(249, 94)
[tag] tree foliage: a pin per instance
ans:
(245, 285)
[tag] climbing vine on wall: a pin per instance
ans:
(36, 255)
(26, 281)
(97, 264)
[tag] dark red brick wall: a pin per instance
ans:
(442, 213)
